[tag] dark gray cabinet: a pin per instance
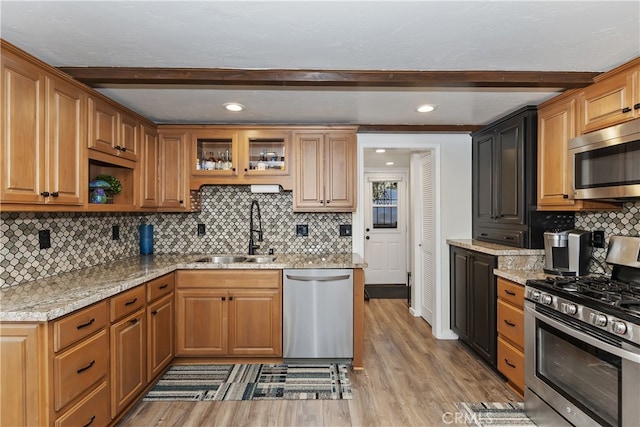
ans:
(473, 300)
(504, 171)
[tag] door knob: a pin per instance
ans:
(366, 229)
(367, 237)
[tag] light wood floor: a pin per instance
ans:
(410, 379)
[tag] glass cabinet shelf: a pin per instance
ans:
(266, 154)
(213, 154)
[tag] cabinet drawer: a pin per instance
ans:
(229, 278)
(511, 323)
(511, 292)
(506, 237)
(161, 286)
(79, 325)
(127, 302)
(511, 363)
(92, 410)
(75, 370)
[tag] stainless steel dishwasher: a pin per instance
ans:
(318, 314)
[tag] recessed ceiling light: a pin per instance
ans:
(389, 163)
(380, 150)
(425, 108)
(233, 106)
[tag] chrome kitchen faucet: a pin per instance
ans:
(252, 245)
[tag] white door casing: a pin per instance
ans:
(386, 228)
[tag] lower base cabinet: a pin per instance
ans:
(473, 300)
(160, 342)
(511, 333)
(223, 312)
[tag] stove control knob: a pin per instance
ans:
(568, 308)
(546, 299)
(535, 295)
(619, 327)
(600, 320)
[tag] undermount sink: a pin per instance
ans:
(222, 259)
(231, 259)
(261, 259)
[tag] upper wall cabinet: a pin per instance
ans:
(111, 131)
(556, 126)
(325, 177)
(613, 99)
(149, 166)
(42, 155)
(173, 176)
(240, 155)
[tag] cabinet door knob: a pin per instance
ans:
(224, 298)
(565, 196)
(154, 312)
(246, 170)
(328, 201)
(637, 106)
(230, 298)
(118, 147)
(181, 201)
(233, 169)
(55, 194)
(626, 109)
(123, 149)
(45, 194)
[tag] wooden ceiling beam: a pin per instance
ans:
(102, 76)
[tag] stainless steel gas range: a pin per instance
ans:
(582, 344)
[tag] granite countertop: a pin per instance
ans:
(492, 248)
(520, 276)
(47, 299)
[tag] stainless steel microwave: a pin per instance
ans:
(605, 164)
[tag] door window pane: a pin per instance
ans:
(385, 204)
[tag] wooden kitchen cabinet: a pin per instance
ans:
(173, 171)
(258, 155)
(112, 131)
(149, 167)
(225, 312)
(160, 324)
(556, 126)
(43, 120)
(503, 159)
(128, 360)
(510, 326)
(614, 98)
(473, 300)
(23, 395)
(325, 168)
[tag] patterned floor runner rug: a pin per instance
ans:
(328, 381)
(495, 414)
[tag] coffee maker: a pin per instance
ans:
(567, 253)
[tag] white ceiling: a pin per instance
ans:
(327, 35)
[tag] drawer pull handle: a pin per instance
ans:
(84, 325)
(86, 367)
(164, 286)
(509, 363)
(508, 292)
(510, 323)
(626, 109)
(131, 302)
(90, 421)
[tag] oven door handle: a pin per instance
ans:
(620, 352)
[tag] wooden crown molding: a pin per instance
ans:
(97, 76)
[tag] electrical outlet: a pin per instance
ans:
(115, 232)
(345, 229)
(202, 230)
(597, 239)
(44, 238)
(302, 230)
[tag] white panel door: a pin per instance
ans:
(385, 229)
(427, 236)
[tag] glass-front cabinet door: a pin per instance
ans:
(215, 152)
(266, 152)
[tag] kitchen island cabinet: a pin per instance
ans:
(223, 312)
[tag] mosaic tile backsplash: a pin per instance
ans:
(84, 240)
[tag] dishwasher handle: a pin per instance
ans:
(317, 278)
